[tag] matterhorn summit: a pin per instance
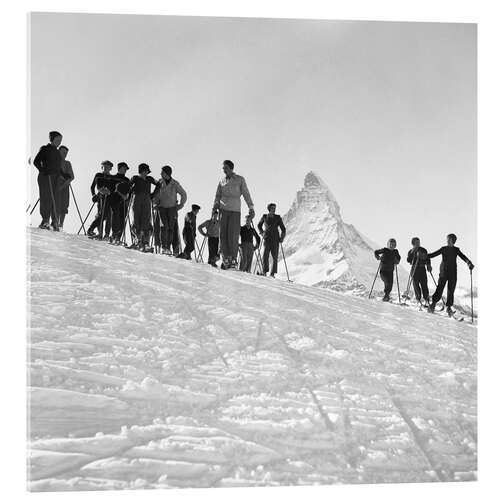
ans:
(320, 248)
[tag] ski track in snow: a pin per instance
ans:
(151, 372)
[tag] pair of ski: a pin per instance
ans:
(454, 314)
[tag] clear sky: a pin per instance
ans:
(384, 112)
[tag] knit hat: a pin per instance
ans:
(144, 167)
(167, 170)
(195, 207)
(122, 164)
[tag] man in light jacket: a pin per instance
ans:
(165, 196)
(228, 201)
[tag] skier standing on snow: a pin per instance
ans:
(421, 263)
(389, 258)
(65, 179)
(228, 201)
(48, 163)
(248, 234)
(140, 186)
(117, 202)
(104, 182)
(448, 272)
(165, 197)
(210, 229)
(270, 226)
(189, 232)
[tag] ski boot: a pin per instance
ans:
(44, 225)
(386, 298)
(431, 307)
(449, 311)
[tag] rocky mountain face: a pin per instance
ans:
(320, 248)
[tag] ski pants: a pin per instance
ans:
(142, 217)
(188, 237)
(387, 276)
(62, 207)
(229, 234)
(49, 197)
(118, 219)
(103, 218)
(246, 256)
(168, 218)
(213, 249)
(449, 277)
(271, 246)
(420, 283)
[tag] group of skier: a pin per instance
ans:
(420, 261)
(155, 205)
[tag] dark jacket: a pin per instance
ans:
(271, 225)
(247, 235)
(419, 257)
(388, 258)
(190, 223)
(102, 180)
(140, 186)
(449, 262)
(48, 160)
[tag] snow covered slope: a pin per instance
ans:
(150, 372)
(321, 249)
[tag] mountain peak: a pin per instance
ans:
(313, 179)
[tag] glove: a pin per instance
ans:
(377, 257)
(471, 266)
(251, 213)
(95, 198)
(429, 268)
(281, 240)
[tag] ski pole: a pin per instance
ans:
(397, 282)
(200, 250)
(77, 209)
(259, 257)
(410, 278)
(200, 257)
(127, 219)
(34, 206)
(56, 220)
(471, 299)
(29, 205)
(374, 279)
(284, 261)
(85, 220)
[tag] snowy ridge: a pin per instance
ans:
(321, 249)
(151, 372)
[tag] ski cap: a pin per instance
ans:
(122, 164)
(195, 207)
(167, 169)
(144, 167)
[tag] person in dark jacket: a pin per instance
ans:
(67, 176)
(448, 272)
(189, 232)
(48, 163)
(104, 184)
(210, 229)
(141, 188)
(118, 203)
(270, 226)
(389, 258)
(248, 235)
(420, 264)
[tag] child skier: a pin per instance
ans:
(140, 186)
(118, 204)
(189, 232)
(448, 272)
(270, 226)
(420, 264)
(248, 234)
(389, 258)
(210, 229)
(105, 184)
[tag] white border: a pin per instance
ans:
(14, 112)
